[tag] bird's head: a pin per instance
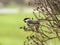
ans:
(26, 19)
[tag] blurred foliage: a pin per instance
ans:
(49, 27)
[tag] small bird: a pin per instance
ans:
(30, 22)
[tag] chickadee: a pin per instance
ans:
(30, 22)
